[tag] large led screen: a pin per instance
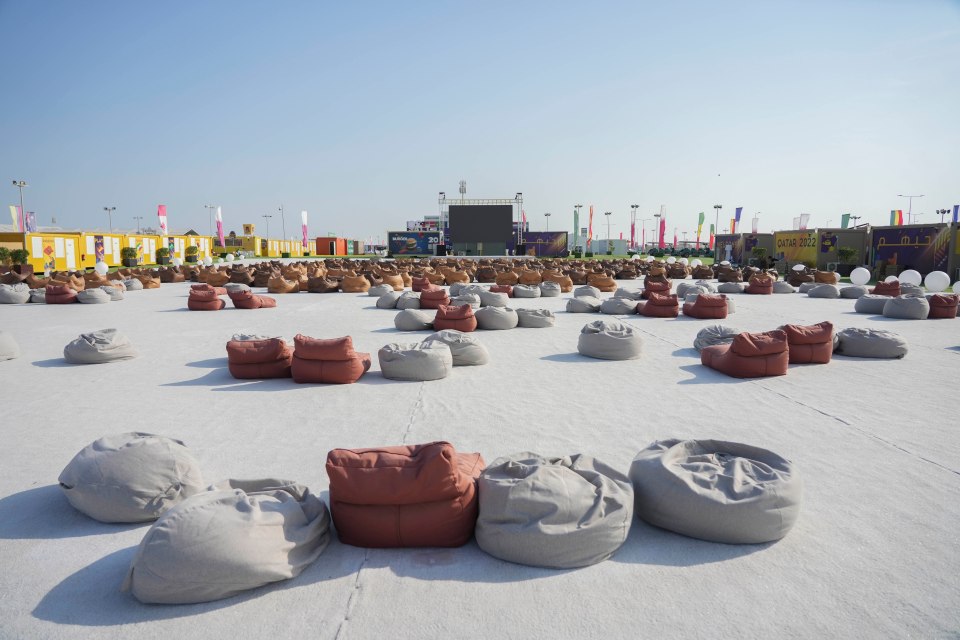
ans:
(481, 223)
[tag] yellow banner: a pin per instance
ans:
(796, 247)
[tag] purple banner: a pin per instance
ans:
(924, 248)
(406, 243)
(550, 244)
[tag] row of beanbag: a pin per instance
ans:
(60, 294)
(433, 358)
(312, 360)
(464, 318)
(557, 512)
(910, 306)
(755, 355)
(204, 297)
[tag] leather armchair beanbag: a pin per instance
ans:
(408, 496)
(651, 287)
(130, 477)
(258, 358)
(322, 285)
(354, 284)
(609, 340)
(279, 284)
(237, 535)
(459, 318)
(830, 291)
(535, 318)
(708, 306)
(810, 344)
(465, 348)
(327, 361)
(9, 349)
(891, 289)
(415, 361)
(907, 307)
(99, 347)
(583, 304)
(433, 298)
(204, 300)
(553, 512)
(413, 320)
(393, 281)
(618, 306)
(59, 294)
(750, 355)
(660, 306)
(419, 284)
(871, 303)
(943, 305)
(502, 288)
(826, 277)
(14, 293)
(713, 335)
(717, 491)
(496, 318)
(856, 342)
(247, 300)
(761, 284)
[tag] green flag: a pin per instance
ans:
(844, 220)
(701, 218)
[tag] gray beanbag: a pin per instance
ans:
(731, 287)
(416, 361)
(38, 296)
(491, 299)
(14, 293)
(115, 293)
(609, 340)
(465, 348)
(586, 291)
(870, 303)
(9, 349)
(711, 288)
(553, 512)
(130, 477)
(806, 286)
(583, 304)
(718, 491)
(413, 320)
(456, 289)
(389, 300)
(853, 291)
(535, 318)
(408, 300)
(496, 318)
(98, 347)
(378, 290)
(713, 335)
(618, 306)
(907, 307)
(133, 284)
(475, 289)
(549, 290)
(782, 286)
(526, 291)
(628, 294)
(93, 296)
(236, 287)
(870, 343)
(910, 289)
(829, 291)
(686, 288)
(238, 535)
(471, 299)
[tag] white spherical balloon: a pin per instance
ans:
(684, 261)
(101, 268)
(207, 261)
(649, 258)
(230, 257)
(860, 276)
(725, 263)
(956, 286)
(911, 276)
(936, 281)
(892, 279)
(696, 262)
(671, 260)
(177, 262)
(219, 260)
(799, 267)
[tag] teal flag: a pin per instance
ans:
(844, 220)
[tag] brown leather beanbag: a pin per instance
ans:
(204, 300)
(502, 288)
(810, 344)
(407, 496)
(433, 298)
(417, 284)
(247, 300)
(460, 318)
(255, 359)
(943, 305)
(761, 284)
(708, 306)
(750, 355)
(327, 361)
(650, 287)
(660, 306)
(59, 294)
(891, 289)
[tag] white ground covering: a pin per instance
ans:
(875, 552)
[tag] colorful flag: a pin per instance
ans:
(900, 217)
(524, 214)
(804, 220)
(845, 221)
(220, 227)
(17, 216)
(590, 229)
(663, 232)
(896, 218)
(674, 237)
(633, 234)
(621, 235)
(643, 236)
(162, 217)
(733, 225)
(30, 222)
(699, 227)
(303, 223)
(756, 224)
(711, 236)
(956, 212)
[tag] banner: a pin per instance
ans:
(796, 247)
(16, 217)
(543, 243)
(896, 218)
(804, 220)
(924, 248)
(220, 227)
(956, 212)
(590, 229)
(699, 228)
(845, 221)
(99, 251)
(248, 229)
(303, 223)
(674, 237)
(30, 222)
(712, 235)
(413, 242)
(162, 217)
(733, 226)
(633, 234)
(663, 232)
(756, 224)
(737, 218)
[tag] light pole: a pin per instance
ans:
(609, 241)
(716, 218)
(855, 218)
(210, 208)
(110, 211)
(942, 213)
(266, 219)
(643, 240)
(283, 223)
(910, 207)
(576, 232)
(518, 198)
(547, 216)
(20, 184)
(138, 219)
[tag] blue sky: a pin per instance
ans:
(361, 112)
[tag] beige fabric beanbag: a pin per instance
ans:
(99, 347)
(609, 340)
(496, 318)
(416, 362)
(465, 348)
(9, 349)
(553, 512)
(413, 320)
(535, 318)
(130, 477)
(238, 535)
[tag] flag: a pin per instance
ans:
(756, 224)
(220, 227)
(162, 216)
(30, 222)
(590, 229)
(796, 223)
(663, 232)
(845, 221)
(733, 225)
(621, 235)
(524, 215)
(896, 218)
(633, 234)
(900, 217)
(699, 227)
(739, 210)
(16, 217)
(303, 223)
(804, 219)
(956, 212)
(674, 237)
(711, 236)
